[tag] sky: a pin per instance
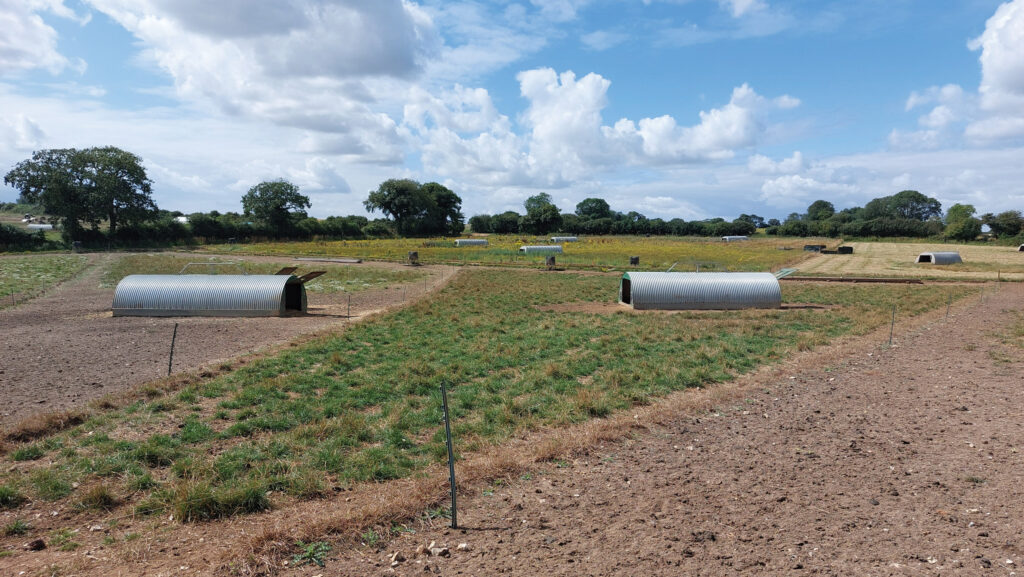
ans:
(673, 108)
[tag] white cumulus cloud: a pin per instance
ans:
(27, 42)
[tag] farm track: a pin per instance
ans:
(63, 348)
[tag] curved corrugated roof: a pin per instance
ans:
(208, 295)
(700, 290)
(471, 242)
(939, 258)
(540, 248)
(564, 239)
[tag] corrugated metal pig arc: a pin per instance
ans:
(207, 295)
(707, 290)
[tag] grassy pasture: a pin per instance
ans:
(338, 278)
(886, 259)
(363, 405)
(29, 275)
(608, 252)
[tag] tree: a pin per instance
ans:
(444, 215)
(542, 216)
(480, 223)
(1007, 223)
(757, 221)
(417, 209)
(908, 204)
(961, 224)
(593, 208)
(276, 204)
(86, 186)
(820, 210)
(506, 222)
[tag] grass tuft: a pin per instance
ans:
(98, 498)
(10, 497)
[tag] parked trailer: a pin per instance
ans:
(939, 258)
(471, 242)
(165, 295)
(539, 248)
(700, 290)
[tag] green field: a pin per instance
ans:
(363, 405)
(27, 276)
(599, 252)
(338, 278)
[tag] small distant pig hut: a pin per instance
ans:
(528, 249)
(700, 290)
(235, 295)
(939, 258)
(471, 242)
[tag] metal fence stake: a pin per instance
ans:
(451, 454)
(170, 361)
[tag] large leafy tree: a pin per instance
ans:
(542, 216)
(87, 186)
(591, 208)
(276, 204)
(961, 223)
(418, 209)
(908, 204)
(820, 210)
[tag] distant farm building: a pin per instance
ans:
(735, 238)
(939, 258)
(564, 239)
(540, 248)
(166, 295)
(471, 242)
(700, 290)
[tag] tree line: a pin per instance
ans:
(102, 196)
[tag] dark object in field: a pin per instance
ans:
(311, 275)
(634, 261)
(550, 261)
(814, 247)
(414, 258)
(845, 250)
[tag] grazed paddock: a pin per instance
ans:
(897, 260)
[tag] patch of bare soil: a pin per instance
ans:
(65, 348)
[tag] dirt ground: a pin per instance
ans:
(856, 459)
(64, 348)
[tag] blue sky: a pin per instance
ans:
(673, 108)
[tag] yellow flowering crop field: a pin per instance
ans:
(598, 252)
